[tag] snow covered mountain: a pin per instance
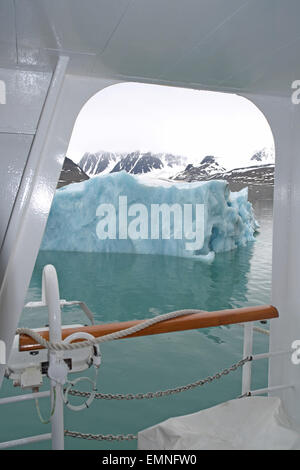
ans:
(264, 156)
(207, 168)
(251, 175)
(258, 176)
(101, 162)
(138, 163)
(260, 170)
(256, 173)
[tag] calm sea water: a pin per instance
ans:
(125, 287)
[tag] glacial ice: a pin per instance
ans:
(73, 223)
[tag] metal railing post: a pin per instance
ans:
(52, 299)
(247, 368)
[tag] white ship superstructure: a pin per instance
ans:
(55, 55)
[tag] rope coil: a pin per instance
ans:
(62, 346)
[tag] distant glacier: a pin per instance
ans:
(74, 220)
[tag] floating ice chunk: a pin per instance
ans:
(76, 221)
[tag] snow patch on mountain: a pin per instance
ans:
(138, 163)
(167, 166)
(207, 168)
(100, 162)
(162, 165)
(265, 156)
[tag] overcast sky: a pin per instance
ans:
(130, 116)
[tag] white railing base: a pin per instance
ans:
(25, 440)
(27, 396)
(262, 391)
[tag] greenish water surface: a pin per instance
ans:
(120, 287)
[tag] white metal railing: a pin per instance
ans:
(25, 397)
(51, 299)
(247, 368)
(25, 440)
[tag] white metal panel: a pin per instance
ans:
(154, 35)
(28, 220)
(8, 52)
(286, 256)
(65, 25)
(25, 95)
(243, 43)
(246, 45)
(284, 117)
(14, 151)
(274, 73)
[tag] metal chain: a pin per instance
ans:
(148, 395)
(100, 437)
(139, 396)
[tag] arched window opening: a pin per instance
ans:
(164, 203)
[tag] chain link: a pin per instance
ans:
(139, 396)
(100, 437)
(159, 394)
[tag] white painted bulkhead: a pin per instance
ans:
(44, 97)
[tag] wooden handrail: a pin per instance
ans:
(188, 322)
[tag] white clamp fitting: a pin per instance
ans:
(296, 352)
(95, 360)
(96, 356)
(58, 370)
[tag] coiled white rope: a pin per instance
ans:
(109, 337)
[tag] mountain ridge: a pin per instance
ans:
(136, 162)
(258, 171)
(71, 173)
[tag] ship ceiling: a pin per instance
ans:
(251, 46)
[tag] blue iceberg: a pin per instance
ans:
(125, 214)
